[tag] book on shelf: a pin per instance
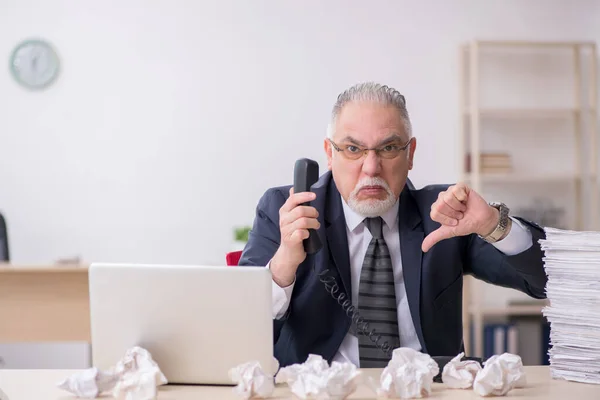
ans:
(491, 163)
(527, 337)
(499, 338)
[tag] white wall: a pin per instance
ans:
(171, 118)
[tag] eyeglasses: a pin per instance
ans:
(353, 152)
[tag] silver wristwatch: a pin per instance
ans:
(502, 228)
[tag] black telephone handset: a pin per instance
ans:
(306, 174)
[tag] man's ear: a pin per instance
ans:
(411, 152)
(327, 148)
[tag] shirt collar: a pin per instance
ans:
(353, 220)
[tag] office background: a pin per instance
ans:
(170, 119)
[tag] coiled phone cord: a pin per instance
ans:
(351, 311)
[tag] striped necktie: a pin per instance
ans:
(377, 299)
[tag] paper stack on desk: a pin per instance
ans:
(572, 263)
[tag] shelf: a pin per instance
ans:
(575, 115)
(50, 268)
(531, 113)
(533, 309)
(524, 178)
(527, 43)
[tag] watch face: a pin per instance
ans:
(34, 64)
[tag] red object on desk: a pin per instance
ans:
(233, 258)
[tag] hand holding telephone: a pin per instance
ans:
(297, 225)
(306, 174)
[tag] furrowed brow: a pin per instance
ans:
(353, 141)
(395, 137)
(391, 139)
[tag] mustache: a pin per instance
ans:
(372, 181)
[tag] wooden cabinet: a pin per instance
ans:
(44, 316)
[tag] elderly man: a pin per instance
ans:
(390, 273)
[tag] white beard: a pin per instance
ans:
(370, 208)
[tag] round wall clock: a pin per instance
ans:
(34, 64)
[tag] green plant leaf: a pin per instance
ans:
(241, 233)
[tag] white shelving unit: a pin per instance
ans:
(514, 94)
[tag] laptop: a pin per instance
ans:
(197, 322)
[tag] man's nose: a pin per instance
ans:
(371, 164)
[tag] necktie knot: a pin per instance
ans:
(375, 226)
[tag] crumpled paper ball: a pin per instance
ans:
(139, 376)
(408, 375)
(135, 377)
(315, 379)
(459, 374)
(89, 383)
(252, 381)
(500, 374)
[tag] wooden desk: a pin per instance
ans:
(41, 385)
(44, 316)
(44, 303)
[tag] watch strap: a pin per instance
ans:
(501, 229)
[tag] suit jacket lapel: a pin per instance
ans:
(411, 238)
(333, 228)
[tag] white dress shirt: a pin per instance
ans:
(519, 239)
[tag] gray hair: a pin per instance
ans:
(370, 92)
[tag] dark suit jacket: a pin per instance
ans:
(315, 323)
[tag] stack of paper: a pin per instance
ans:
(572, 262)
